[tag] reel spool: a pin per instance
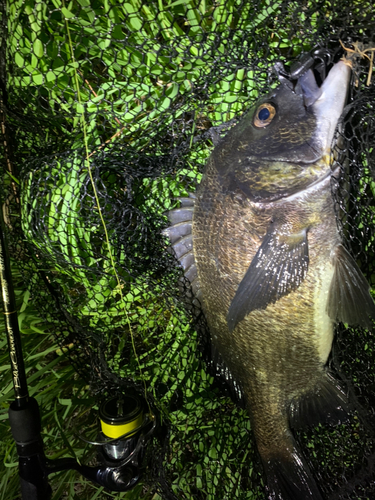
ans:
(127, 425)
(121, 422)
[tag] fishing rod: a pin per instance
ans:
(127, 424)
(24, 413)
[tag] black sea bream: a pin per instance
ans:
(260, 244)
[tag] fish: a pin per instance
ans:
(260, 245)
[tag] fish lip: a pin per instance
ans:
(309, 88)
(329, 106)
(312, 91)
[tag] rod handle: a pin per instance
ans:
(31, 491)
(25, 425)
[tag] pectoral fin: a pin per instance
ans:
(279, 266)
(349, 299)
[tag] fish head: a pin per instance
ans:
(283, 143)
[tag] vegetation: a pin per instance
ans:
(65, 403)
(107, 77)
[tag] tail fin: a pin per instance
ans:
(289, 478)
(288, 475)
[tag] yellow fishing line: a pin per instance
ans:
(360, 51)
(87, 160)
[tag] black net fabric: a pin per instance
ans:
(108, 111)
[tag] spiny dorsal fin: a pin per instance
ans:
(181, 238)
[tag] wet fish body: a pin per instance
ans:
(266, 260)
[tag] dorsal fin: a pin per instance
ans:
(181, 238)
(222, 371)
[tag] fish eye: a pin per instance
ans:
(264, 114)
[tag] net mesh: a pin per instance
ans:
(108, 113)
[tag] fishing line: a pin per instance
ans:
(108, 244)
(360, 50)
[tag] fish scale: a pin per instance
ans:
(272, 274)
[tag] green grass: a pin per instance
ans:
(134, 67)
(136, 62)
(140, 67)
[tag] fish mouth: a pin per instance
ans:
(324, 92)
(326, 102)
(316, 78)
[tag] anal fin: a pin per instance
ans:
(326, 403)
(288, 475)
